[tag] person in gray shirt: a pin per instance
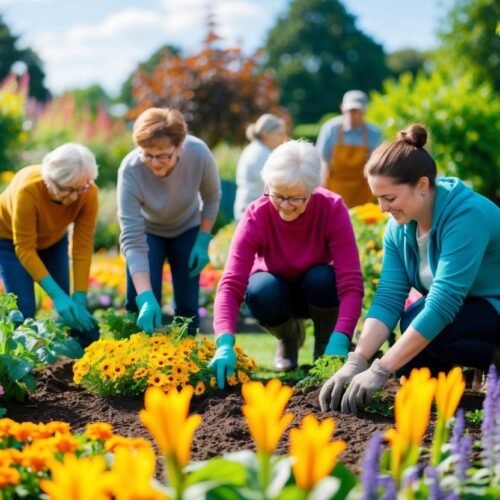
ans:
(168, 197)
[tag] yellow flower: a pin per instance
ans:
(76, 479)
(158, 379)
(315, 455)
(449, 390)
(99, 431)
(36, 459)
(199, 388)
(9, 477)
(412, 408)
(138, 464)
(140, 373)
(264, 412)
(166, 418)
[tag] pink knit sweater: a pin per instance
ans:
(323, 234)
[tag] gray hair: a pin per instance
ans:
(266, 123)
(292, 163)
(69, 162)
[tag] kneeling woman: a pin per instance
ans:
(293, 256)
(444, 240)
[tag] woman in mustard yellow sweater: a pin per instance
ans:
(36, 210)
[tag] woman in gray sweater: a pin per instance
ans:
(168, 198)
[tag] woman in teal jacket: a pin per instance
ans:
(444, 240)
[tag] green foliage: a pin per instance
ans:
(107, 230)
(12, 103)
(407, 61)
(226, 159)
(117, 325)
(26, 345)
(11, 54)
(470, 41)
(474, 416)
(310, 131)
(318, 53)
(463, 118)
(323, 368)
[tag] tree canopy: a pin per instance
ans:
(318, 53)
(10, 54)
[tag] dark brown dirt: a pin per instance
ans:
(223, 428)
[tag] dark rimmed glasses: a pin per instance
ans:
(295, 201)
(161, 157)
(70, 190)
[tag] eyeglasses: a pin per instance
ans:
(71, 190)
(161, 157)
(295, 201)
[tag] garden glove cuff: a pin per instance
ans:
(338, 345)
(84, 317)
(363, 387)
(223, 363)
(66, 307)
(331, 392)
(149, 312)
(199, 258)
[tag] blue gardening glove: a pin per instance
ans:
(198, 258)
(338, 345)
(224, 361)
(67, 308)
(149, 312)
(363, 386)
(84, 316)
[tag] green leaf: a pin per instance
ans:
(70, 348)
(217, 469)
(347, 481)
(292, 492)
(17, 368)
(30, 381)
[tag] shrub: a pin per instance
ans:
(463, 119)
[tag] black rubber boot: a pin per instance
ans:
(291, 335)
(324, 320)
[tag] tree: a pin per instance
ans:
(471, 40)
(406, 61)
(92, 97)
(217, 90)
(165, 51)
(11, 54)
(318, 54)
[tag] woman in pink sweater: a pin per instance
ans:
(293, 256)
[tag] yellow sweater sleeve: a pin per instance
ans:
(82, 244)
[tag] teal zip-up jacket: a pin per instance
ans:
(464, 257)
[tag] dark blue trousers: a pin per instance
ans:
(186, 290)
(18, 281)
(468, 341)
(272, 299)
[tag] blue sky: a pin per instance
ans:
(101, 41)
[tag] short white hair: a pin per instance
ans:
(293, 163)
(68, 163)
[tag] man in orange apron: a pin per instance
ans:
(345, 143)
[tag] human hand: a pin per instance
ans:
(86, 319)
(199, 258)
(363, 386)
(338, 345)
(149, 312)
(330, 393)
(224, 361)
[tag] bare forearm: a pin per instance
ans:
(404, 350)
(206, 225)
(142, 282)
(373, 335)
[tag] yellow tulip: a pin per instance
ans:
(315, 455)
(449, 390)
(166, 418)
(76, 479)
(139, 465)
(264, 412)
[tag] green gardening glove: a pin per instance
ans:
(198, 258)
(224, 361)
(67, 308)
(83, 313)
(149, 312)
(338, 345)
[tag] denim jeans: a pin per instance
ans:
(468, 341)
(18, 281)
(186, 290)
(272, 299)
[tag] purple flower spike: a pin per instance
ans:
(458, 431)
(490, 427)
(371, 467)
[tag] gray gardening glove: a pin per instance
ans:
(363, 387)
(331, 392)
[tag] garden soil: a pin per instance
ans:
(223, 428)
